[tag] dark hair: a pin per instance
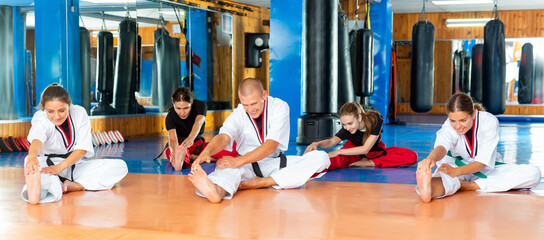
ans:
(370, 118)
(182, 94)
(54, 92)
(462, 102)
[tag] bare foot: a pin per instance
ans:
(201, 181)
(423, 179)
(469, 186)
(257, 182)
(363, 163)
(178, 160)
(69, 186)
(33, 187)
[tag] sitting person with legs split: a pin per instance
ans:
(465, 153)
(260, 126)
(59, 138)
(185, 124)
(363, 147)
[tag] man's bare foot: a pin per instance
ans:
(69, 186)
(363, 163)
(423, 179)
(33, 187)
(201, 181)
(257, 182)
(179, 158)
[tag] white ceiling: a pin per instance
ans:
(415, 6)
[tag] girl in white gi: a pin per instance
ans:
(466, 155)
(60, 136)
(260, 127)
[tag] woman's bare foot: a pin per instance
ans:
(363, 163)
(469, 186)
(69, 186)
(200, 180)
(257, 182)
(33, 187)
(423, 179)
(179, 158)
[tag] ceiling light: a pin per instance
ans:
(462, 2)
(469, 22)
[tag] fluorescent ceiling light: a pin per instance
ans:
(469, 22)
(462, 2)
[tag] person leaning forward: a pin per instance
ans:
(260, 126)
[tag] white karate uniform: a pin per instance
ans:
(240, 127)
(95, 174)
(484, 150)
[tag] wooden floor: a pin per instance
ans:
(151, 206)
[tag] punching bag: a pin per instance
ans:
(345, 81)
(494, 68)
(104, 73)
(320, 57)
(526, 75)
(364, 84)
(319, 71)
(456, 76)
(135, 107)
(538, 81)
(476, 73)
(422, 71)
(166, 68)
(466, 74)
(124, 69)
(85, 55)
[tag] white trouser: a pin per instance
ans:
(502, 178)
(298, 171)
(96, 174)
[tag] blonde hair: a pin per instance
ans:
(370, 118)
(462, 102)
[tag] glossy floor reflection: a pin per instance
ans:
(153, 201)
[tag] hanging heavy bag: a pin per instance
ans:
(85, 56)
(476, 73)
(364, 85)
(126, 62)
(494, 68)
(346, 93)
(422, 71)
(526, 75)
(466, 74)
(166, 67)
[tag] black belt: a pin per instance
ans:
(257, 169)
(50, 163)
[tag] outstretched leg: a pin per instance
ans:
(69, 186)
(178, 160)
(33, 187)
(210, 190)
(423, 179)
(257, 182)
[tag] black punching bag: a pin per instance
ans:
(166, 68)
(319, 71)
(85, 56)
(476, 73)
(526, 73)
(466, 74)
(345, 81)
(104, 73)
(135, 107)
(494, 68)
(126, 62)
(422, 71)
(364, 84)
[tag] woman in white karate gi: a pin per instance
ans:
(60, 137)
(260, 127)
(466, 154)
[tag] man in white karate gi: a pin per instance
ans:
(260, 127)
